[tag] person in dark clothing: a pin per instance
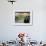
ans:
(27, 19)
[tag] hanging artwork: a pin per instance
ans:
(23, 18)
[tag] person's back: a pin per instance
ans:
(27, 19)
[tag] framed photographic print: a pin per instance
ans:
(23, 18)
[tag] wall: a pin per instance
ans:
(9, 31)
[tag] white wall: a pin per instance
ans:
(9, 31)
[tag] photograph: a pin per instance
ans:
(23, 18)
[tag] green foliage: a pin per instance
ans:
(19, 17)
